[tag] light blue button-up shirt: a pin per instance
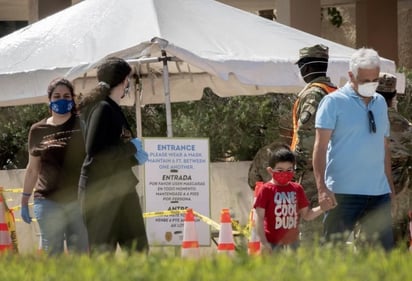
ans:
(355, 160)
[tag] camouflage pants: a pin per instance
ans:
(400, 218)
(401, 173)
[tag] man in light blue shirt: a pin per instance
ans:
(351, 156)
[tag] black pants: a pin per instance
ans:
(112, 213)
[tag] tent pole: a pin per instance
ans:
(166, 88)
(139, 132)
(164, 58)
(137, 89)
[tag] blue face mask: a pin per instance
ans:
(62, 106)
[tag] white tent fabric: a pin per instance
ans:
(232, 51)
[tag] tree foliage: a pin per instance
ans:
(333, 15)
(15, 123)
(236, 127)
(405, 100)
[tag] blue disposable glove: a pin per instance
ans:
(137, 143)
(141, 155)
(25, 214)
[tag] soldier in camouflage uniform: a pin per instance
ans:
(313, 64)
(401, 151)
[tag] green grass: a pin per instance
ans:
(314, 264)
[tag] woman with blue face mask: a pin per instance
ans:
(56, 152)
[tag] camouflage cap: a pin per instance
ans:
(317, 51)
(387, 83)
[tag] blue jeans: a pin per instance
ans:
(59, 222)
(373, 213)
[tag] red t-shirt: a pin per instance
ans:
(282, 205)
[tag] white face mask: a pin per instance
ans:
(367, 89)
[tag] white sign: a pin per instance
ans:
(176, 178)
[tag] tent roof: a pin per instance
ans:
(232, 51)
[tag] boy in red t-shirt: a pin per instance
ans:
(281, 202)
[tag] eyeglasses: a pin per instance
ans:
(372, 124)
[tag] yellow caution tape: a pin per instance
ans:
(13, 190)
(11, 224)
(163, 213)
(207, 220)
(20, 220)
(237, 231)
(237, 228)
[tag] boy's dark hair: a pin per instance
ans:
(282, 154)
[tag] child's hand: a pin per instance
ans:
(326, 204)
(326, 200)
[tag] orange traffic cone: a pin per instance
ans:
(410, 231)
(11, 224)
(40, 246)
(190, 244)
(5, 238)
(254, 243)
(225, 243)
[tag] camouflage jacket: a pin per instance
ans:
(304, 118)
(401, 149)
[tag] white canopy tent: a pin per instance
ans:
(210, 44)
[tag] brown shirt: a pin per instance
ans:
(61, 152)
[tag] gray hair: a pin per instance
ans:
(364, 58)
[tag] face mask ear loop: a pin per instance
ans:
(310, 62)
(314, 72)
